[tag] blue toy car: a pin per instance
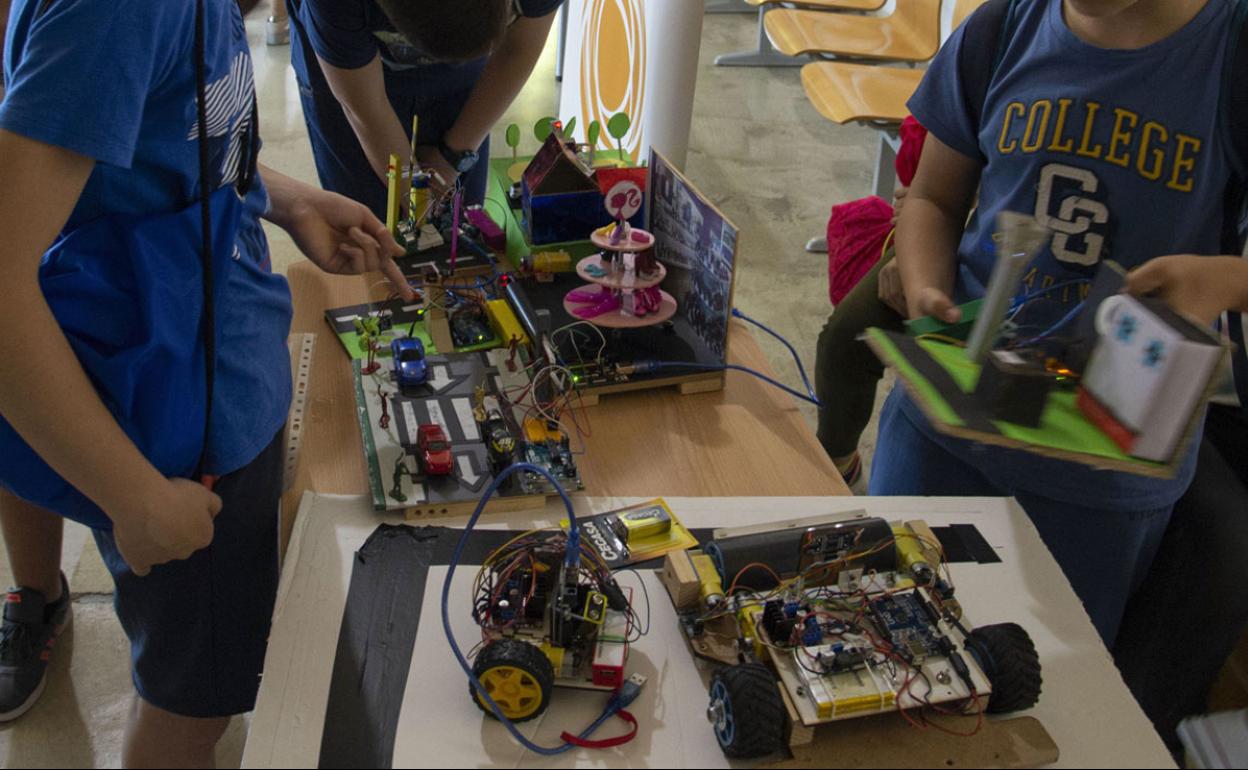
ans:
(409, 362)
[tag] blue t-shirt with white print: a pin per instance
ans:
(115, 80)
(1119, 152)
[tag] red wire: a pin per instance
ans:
(605, 743)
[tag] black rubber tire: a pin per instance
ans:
(520, 655)
(761, 722)
(1008, 656)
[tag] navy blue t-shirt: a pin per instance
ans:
(1119, 152)
(115, 80)
(348, 33)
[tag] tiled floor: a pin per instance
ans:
(758, 150)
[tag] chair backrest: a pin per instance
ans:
(921, 18)
(964, 8)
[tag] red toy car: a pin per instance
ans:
(434, 450)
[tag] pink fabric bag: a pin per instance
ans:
(858, 230)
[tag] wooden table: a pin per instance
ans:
(748, 439)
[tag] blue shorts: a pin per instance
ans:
(1104, 553)
(198, 628)
(434, 92)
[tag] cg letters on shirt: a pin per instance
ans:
(1067, 195)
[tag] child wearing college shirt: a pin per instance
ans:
(116, 112)
(1101, 119)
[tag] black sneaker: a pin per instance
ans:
(29, 632)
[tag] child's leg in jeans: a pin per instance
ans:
(907, 462)
(32, 537)
(1105, 554)
(846, 371)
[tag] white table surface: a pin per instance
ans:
(1085, 705)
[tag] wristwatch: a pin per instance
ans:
(462, 161)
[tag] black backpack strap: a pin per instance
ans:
(987, 30)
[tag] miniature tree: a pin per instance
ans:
(543, 129)
(618, 127)
(368, 330)
(513, 140)
(591, 135)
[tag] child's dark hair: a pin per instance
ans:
(450, 30)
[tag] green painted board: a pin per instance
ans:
(1063, 431)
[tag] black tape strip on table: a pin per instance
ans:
(379, 624)
(382, 616)
(964, 404)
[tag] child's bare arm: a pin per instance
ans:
(930, 226)
(44, 392)
(338, 234)
(1202, 287)
(505, 73)
(362, 94)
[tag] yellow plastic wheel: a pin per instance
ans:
(517, 692)
(517, 676)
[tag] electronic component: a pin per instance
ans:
(819, 552)
(611, 650)
(1013, 388)
(504, 322)
(637, 525)
(557, 459)
(903, 622)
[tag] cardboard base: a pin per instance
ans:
(940, 379)
(685, 385)
(889, 741)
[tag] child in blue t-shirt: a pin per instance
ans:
(115, 113)
(1102, 121)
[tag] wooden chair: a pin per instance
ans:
(910, 34)
(765, 55)
(846, 92)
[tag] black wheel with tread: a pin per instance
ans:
(517, 675)
(747, 712)
(1008, 656)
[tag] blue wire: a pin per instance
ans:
(1027, 299)
(800, 369)
(1052, 329)
(1041, 292)
(572, 558)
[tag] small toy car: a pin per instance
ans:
(500, 442)
(410, 367)
(545, 624)
(434, 450)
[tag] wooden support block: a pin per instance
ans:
(681, 579)
(686, 385)
(439, 329)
